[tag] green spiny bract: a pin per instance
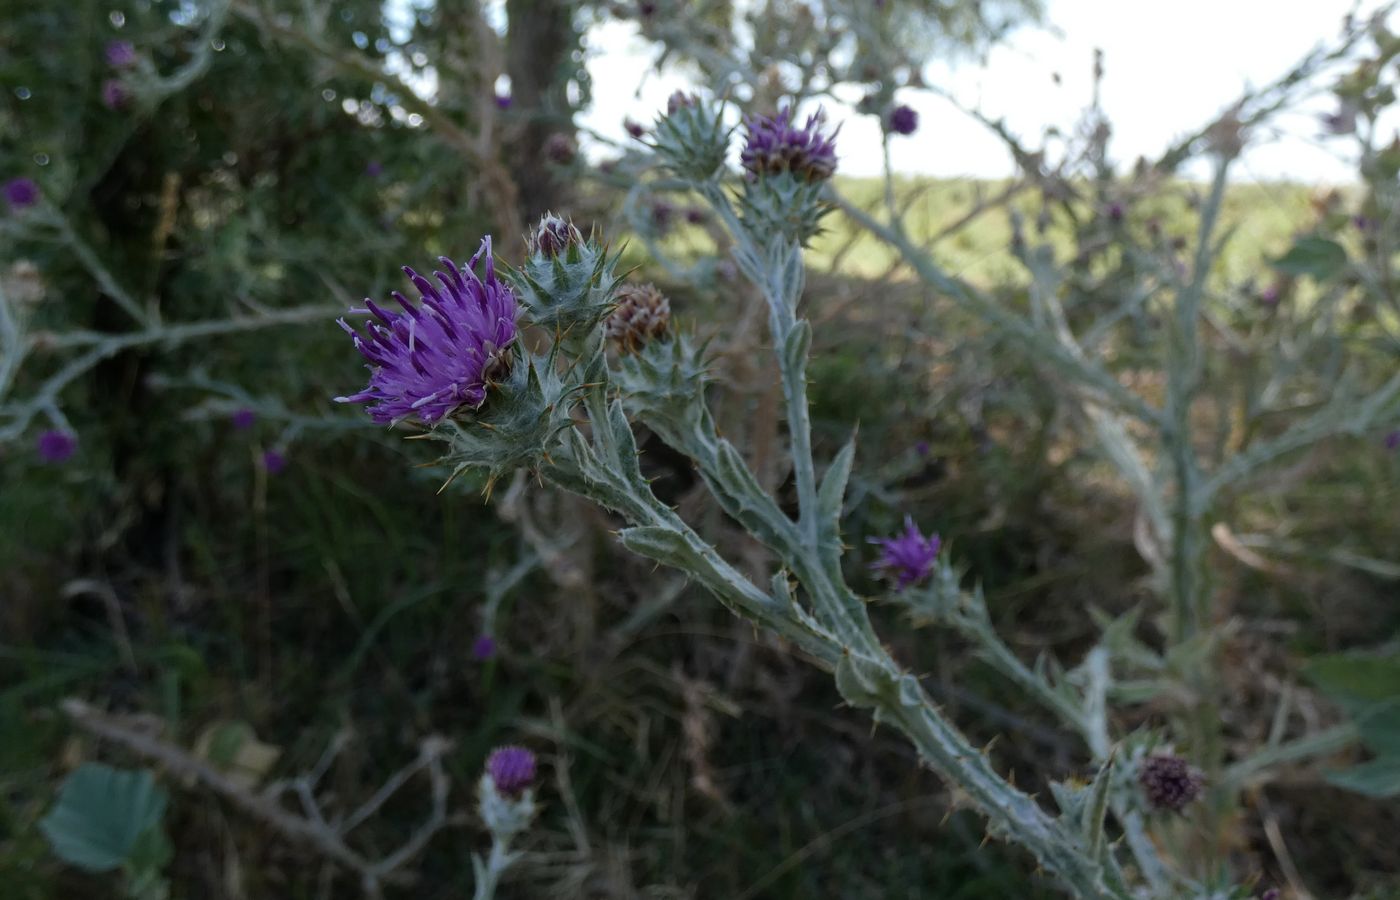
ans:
(691, 138)
(568, 292)
(519, 427)
(664, 384)
(783, 204)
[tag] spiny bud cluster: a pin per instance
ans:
(554, 236)
(643, 314)
(1169, 782)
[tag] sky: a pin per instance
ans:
(1171, 67)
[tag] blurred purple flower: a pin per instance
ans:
(1270, 295)
(1392, 440)
(440, 355)
(646, 9)
(119, 54)
(680, 100)
(634, 128)
(695, 216)
(512, 769)
(273, 462)
(1115, 212)
(775, 146)
(115, 94)
(921, 448)
(483, 648)
(56, 446)
(1362, 223)
(907, 557)
(21, 192)
(503, 101)
(559, 149)
(1169, 782)
(374, 168)
(661, 215)
(243, 419)
(904, 119)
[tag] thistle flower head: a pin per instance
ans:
(115, 94)
(680, 100)
(512, 769)
(776, 145)
(906, 557)
(55, 446)
(119, 54)
(274, 461)
(553, 236)
(483, 648)
(243, 419)
(503, 101)
(904, 119)
(634, 128)
(1169, 782)
(21, 192)
(439, 355)
(643, 314)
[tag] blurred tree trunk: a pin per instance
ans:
(539, 45)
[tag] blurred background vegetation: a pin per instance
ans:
(262, 169)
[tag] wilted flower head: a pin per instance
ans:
(512, 769)
(440, 355)
(775, 145)
(643, 313)
(483, 648)
(554, 235)
(21, 192)
(274, 461)
(115, 94)
(907, 557)
(119, 54)
(904, 119)
(243, 419)
(1169, 782)
(56, 446)
(559, 148)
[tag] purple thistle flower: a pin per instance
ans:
(56, 446)
(503, 101)
(483, 648)
(921, 448)
(374, 168)
(273, 462)
(680, 100)
(115, 94)
(1392, 440)
(775, 146)
(1115, 212)
(1169, 782)
(512, 769)
(904, 119)
(243, 419)
(21, 193)
(441, 354)
(634, 128)
(908, 557)
(119, 54)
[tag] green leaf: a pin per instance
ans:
(1316, 256)
(1377, 778)
(101, 814)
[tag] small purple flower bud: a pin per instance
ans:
(273, 462)
(512, 770)
(559, 149)
(374, 168)
(1270, 295)
(441, 354)
(634, 128)
(119, 54)
(680, 100)
(1392, 440)
(904, 119)
(21, 193)
(483, 648)
(553, 236)
(1115, 212)
(503, 101)
(243, 419)
(921, 448)
(115, 94)
(695, 216)
(661, 215)
(775, 145)
(1169, 782)
(56, 446)
(907, 557)
(642, 314)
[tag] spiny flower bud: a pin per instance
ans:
(775, 145)
(643, 314)
(554, 235)
(680, 100)
(1169, 782)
